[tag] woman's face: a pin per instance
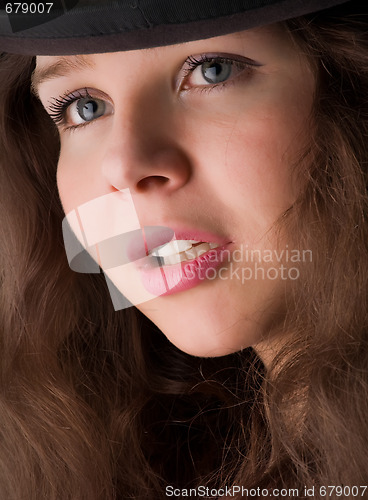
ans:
(198, 137)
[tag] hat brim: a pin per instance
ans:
(91, 27)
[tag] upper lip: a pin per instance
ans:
(150, 237)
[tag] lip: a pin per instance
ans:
(150, 237)
(170, 279)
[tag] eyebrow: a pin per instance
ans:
(63, 66)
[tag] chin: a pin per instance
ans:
(205, 332)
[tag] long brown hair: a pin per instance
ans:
(97, 404)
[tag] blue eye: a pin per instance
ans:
(209, 71)
(77, 109)
(86, 110)
(215, 71)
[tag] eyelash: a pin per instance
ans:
(59, 105)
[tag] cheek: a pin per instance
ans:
(246, 164)
(66, 186)
(247, 152)
(259, 156)
(77, 178)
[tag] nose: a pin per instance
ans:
(144, 151)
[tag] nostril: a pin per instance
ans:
(152, 181)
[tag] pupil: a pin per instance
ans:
(215, 72)
(87, 110)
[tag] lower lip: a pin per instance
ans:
(166, 280)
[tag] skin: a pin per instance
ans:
(201, 156)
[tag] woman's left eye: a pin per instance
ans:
(210, 71)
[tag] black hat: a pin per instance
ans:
(66, 27)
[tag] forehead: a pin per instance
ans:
(271, 32)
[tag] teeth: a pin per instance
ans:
(173, 247)
(174, 259)
(172, 253)
(197, 251)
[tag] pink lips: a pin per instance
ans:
(169, 279)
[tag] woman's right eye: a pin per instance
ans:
(85, 110)
(78, 109)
